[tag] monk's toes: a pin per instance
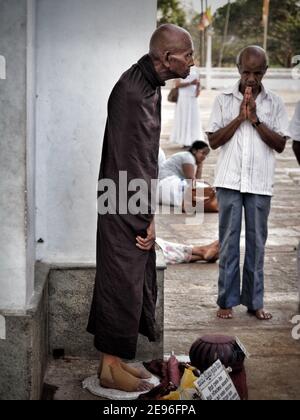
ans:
(139, 373)
(144, 374)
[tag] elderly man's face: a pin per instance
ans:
(252, 70)
(181, 61)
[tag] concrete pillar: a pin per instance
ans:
(17, 255)
(23, 310)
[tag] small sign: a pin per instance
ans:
(215, 384)
(2, 328)
(2, 67)
(242, 347)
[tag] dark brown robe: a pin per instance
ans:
(125, 290)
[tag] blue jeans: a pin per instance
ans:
(257, 210)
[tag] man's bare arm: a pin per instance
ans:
(225, 134)
(222, 136)
(271, 138)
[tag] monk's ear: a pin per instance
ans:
(167, 59)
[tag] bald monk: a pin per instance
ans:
(125, 292)
(249, 125)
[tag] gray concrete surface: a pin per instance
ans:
(191, 290)
(23, 354)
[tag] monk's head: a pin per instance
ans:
(252, 63)
(172, 49)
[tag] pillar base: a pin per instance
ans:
(23, 347)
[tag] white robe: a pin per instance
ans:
(187, 126)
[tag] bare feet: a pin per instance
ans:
(225, 313)
(136, 372)
(115, 375)
(212, 252)
(209, 253)
(261, 314)
(124, 381)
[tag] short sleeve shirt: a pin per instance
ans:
(246, 163)
(295, 124)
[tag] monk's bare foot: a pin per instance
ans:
(225, 313)
(124, 381)
(106, 359)
(140, 373)
(113, 376)
(261, 314)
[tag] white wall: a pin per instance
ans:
(83, 47)
(30, 148)
(17, 248)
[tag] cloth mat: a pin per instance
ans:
(93, 386)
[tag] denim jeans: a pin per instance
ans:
(257, 210)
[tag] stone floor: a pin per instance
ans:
(191, 290)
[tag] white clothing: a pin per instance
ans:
(174, 165)
(172, 183)
(187, 127)
(175, 253)
(161, 158)
(172, 190)
(246, 163)
(295, 124)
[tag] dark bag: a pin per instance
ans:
(173, 95)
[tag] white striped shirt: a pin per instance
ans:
(295, 124)
(246, 163)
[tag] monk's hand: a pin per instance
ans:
(146, 244)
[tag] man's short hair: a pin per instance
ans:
(255, 49)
